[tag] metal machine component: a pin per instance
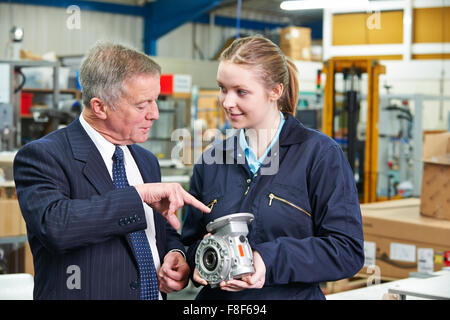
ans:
(226, 254)
(391, 122)
(6, 127)
(66, 112)
(10, 93)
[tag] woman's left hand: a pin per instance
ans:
(253, 281)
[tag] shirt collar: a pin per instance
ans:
(250, 155)
(292, 132)
(105, 147)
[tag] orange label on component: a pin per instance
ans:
(241, 250)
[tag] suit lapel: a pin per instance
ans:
(85, 150)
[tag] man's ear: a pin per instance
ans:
(276, 92)
(99, 108)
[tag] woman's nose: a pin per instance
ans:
(228, 101)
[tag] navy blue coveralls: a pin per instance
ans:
(307, 225)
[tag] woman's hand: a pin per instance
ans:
(196, 277)
(253, 281)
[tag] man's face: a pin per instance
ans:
(135, 111)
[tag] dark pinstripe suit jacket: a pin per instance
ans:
(77, 222)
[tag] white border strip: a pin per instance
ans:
(373, 6)
(366, 50)
(430, 48)
(430, 3)
(388, 49)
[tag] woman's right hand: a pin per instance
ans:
(196, 277)
(199, 279)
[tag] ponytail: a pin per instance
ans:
(288, 102)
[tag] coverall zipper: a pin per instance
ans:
(272, 196)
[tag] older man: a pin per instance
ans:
(100, 224)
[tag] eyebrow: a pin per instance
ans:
(234, 87)
(144, 100)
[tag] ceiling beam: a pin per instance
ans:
(84, 5)
(162, 16)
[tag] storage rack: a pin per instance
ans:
(14, 97)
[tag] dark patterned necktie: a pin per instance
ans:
(149, 281)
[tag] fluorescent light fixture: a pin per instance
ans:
(321, 4)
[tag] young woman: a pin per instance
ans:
(295, 181)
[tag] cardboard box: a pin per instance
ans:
(295, 42)
(362, 28)
(399, 240)
(11, 220)
(7, 186)
(435, 195)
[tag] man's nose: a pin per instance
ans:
(153, 113)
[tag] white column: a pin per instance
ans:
(211, 35)
(327, 33)
(407, 30)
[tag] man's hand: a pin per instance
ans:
(253, 281)
(174, 273)
(167, 198)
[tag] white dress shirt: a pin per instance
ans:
(134, 177)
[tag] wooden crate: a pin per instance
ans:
(11, 220)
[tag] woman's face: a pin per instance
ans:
(247, 103)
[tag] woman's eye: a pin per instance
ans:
(242, 92)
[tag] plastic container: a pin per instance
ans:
(26, 101)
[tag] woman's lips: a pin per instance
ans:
(235, 116)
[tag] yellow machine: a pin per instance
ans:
(341, 116)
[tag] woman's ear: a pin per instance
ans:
(99, 108)
(276, 92)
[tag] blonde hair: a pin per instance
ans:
(265, 57)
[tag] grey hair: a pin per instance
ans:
(107, 66)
